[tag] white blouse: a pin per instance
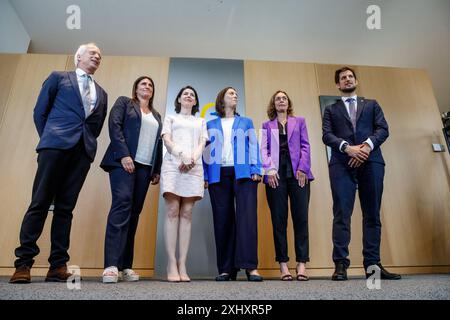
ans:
(147, 139)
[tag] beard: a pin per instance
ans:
(348, 90)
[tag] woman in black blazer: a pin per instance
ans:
(133, 160)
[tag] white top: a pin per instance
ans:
(147, 139)
(347, 106)
(80, 79)
(187, 133)
(227, 150)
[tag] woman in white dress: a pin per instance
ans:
(182, 182)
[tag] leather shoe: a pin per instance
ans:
(59, 274)
(223, 277)
(340, 273)
(21, 275)
(228, 276)
(384, 274)
(253, 277)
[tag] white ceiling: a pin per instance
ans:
(415, 33)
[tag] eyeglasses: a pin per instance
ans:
(282, 98)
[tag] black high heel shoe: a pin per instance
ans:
(253, 277)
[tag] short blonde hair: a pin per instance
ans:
(82, 49)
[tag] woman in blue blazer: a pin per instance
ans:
(232, 170)
(133, 160)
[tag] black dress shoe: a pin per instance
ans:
(340, 273)
(384, 274)
(253, 277)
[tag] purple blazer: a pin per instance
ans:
(298, 143)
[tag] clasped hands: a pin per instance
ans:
(358, 154)
(187, 163)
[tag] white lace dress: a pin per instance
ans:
(187, 132)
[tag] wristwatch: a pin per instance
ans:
(344, 146)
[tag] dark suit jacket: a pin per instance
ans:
(370, 123)
(59, 114)
(124, 127)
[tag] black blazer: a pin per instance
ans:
(59, 114)
(370, 123)
(124, 128)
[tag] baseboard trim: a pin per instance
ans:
(268, 273)
(85, 272)
(359, 271)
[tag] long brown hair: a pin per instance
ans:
(133, 92)
(220, 103)
(272, 111)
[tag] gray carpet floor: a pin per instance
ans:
(421, 287)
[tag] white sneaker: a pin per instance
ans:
(129, 275)
(110, 275)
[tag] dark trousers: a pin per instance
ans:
(234, 205)
(368, 179)
(278, 203)
(59, 178)
(128, 196)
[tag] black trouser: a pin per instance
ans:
(235, 230)
(128, 196)
(278, 204)
(59, 178)
(368, 179)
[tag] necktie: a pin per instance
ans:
(86, 95)
(352, 111)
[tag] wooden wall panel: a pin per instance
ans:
(18, 140)
(415, 210)
(116, 75)
(416, 201)
(8, 66)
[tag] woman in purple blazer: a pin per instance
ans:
(287, 164)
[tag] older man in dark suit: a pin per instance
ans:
(69, 115)
(354, 128)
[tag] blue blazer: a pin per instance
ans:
(370, 123)
(247, 159)
(125, 121)
(59, 114)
